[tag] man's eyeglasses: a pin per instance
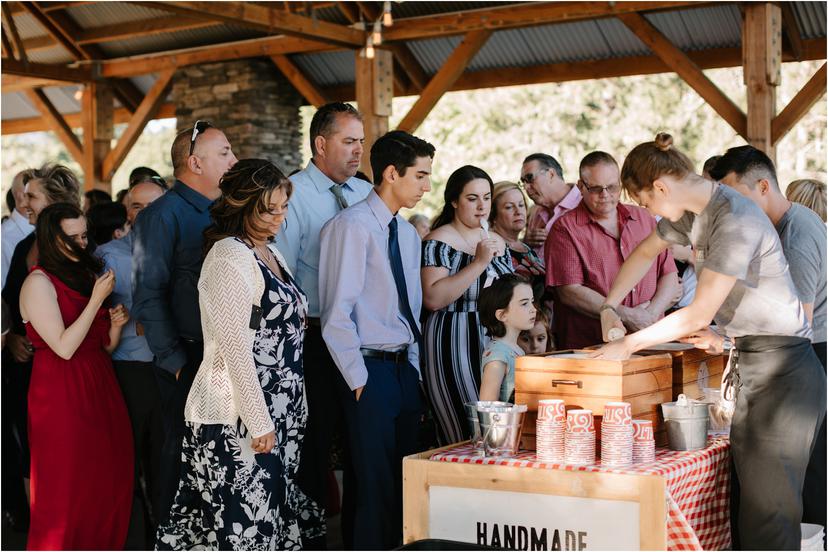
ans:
(596, 190)
(528, 178)
(198, 128)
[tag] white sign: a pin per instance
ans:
(526, 521)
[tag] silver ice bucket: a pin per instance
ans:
(474, 422)
(686, 421)
(501, 427)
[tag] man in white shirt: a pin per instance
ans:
(17, 226)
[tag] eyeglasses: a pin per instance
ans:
(528, 178)
(596, 190)
(198, 128)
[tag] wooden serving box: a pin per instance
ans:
(693, 369)
(644, 381)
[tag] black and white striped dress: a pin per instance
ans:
(454, 341)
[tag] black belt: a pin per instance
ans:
(397, 357)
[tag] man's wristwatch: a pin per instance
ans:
(727, 344)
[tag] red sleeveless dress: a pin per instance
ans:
(80, 438)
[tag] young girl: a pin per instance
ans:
(506, 309)
(537, 340)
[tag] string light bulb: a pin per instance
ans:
(387, 18)
(376, 36)
(369, 48)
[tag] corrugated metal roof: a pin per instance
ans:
(13, 105)
(432, 53)
(811, 18)
(99, 14)
(327, 68)
(27, 26)
(179, 39)
(416, 9)
(700, 28)
(55, 54)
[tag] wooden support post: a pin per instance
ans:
(762, 61)
(97, 108)
(374, 92)
(443, 80)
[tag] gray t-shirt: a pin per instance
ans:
(803, 238)
(732, 236)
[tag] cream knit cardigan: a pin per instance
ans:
(226, 386)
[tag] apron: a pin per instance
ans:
(779, 408)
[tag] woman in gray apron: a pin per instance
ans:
(744, 284)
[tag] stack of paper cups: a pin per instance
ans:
(617, 435)
(551, 430)
(643, 442)
(579, 445)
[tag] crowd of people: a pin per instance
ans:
(187, 355)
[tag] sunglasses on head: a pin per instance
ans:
(198, 128)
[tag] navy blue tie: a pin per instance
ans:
(399, 278)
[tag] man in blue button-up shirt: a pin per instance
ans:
(167, 254)
(337, 138)
(370, 296)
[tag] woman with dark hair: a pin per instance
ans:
(79, 430)
(460, 258)
(41, 187)
(246, 410)
(744, 284)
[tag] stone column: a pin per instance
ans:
(250, 100)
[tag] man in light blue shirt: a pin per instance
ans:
(370, 296)
(17, 226)
(325, 187)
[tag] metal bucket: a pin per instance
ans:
(501, 427)
(687, 421)
(474, 422)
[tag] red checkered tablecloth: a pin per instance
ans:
(697, 482)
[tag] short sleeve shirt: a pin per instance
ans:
(579, 251)
(733, 236)
(505, 353)
(803, 238)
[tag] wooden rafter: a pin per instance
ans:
(409, 64)
(518, 15)
(269, 20)
(299, 81)
(679, 62)
(8, 20)
(791, 30)
(8, 50)
(63, 29)
(36, 124)
(141, 65)
(350, 10)
(799, 105)
(60, 73)
(59, 34)
(143, 114)
(56, 123)
(444, 79)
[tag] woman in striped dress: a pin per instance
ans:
(460, 258)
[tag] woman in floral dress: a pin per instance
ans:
(246, 411)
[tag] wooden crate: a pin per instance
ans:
(693, 369)
(645, 382)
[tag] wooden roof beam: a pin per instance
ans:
(791, 30)
(799, 105)
(121, 115)
(299, 81)
(143, 114)
(679, 62)
(442, 81)
(59, 34)
(141, 65)
(56, 123)
(519, 15)
(8, 20)
(269, 20)
(60, 73)
(8, 50)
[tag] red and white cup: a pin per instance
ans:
(552, 409)
(643, 430)
(580, 421)
(617, 413)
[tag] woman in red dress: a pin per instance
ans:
(79, 430)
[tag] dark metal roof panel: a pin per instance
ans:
(89, 16)
(811, 18)
(176, 40)
(700, 28)
(432, 53)
(327, 68)
(55, 54)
